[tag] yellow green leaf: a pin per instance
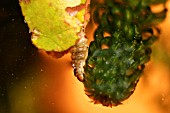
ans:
(53, 29)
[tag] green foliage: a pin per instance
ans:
(121, 46)
(118, 53)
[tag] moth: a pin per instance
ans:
(79, 54)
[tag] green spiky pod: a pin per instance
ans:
(117, 56)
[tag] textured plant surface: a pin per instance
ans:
(120, 48)
(53, 29)
(116, 58)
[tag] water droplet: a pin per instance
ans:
(25, 21)
(41, 70)
(163, 99)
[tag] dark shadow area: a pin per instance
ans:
(16, 51)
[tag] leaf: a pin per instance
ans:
(53, 29)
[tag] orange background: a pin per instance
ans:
(54, 89)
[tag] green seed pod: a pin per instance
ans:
(115, 62)
(111, 73)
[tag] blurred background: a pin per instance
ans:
(33, 82)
